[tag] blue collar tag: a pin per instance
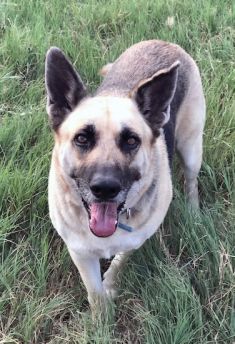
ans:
(125, 227)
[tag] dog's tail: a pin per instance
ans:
(105, 69)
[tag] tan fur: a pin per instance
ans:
(68, 211)
(112, 107)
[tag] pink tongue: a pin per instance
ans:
(103, 218)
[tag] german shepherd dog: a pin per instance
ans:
(110, 182)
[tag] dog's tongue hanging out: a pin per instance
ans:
(103, 218)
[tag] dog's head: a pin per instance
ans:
(104, 145)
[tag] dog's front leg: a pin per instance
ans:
(89, 269)
(110, 276)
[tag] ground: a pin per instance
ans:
(179, 287)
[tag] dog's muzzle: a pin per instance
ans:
(104, 208)
(104, 190)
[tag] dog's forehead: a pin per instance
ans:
(112, 113)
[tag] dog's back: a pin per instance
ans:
(140, 62)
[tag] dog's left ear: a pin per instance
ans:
(64, 86)
(154, 95)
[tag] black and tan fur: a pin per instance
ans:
(149, 104)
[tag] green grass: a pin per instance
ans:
(179, 287)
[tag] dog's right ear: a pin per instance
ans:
(64, 86)
(154, 95)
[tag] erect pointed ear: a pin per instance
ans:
(64, 86)
(154, 95)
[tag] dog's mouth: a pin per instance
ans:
(103, 217)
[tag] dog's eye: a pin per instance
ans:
(86, 138)
(81, 139)
(132, 141)
(128, 141)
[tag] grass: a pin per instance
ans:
(180, 286)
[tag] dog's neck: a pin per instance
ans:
(139, 206)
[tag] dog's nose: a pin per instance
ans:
(105, 188)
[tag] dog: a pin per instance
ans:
(110, 182)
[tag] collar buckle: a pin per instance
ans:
(128, 213)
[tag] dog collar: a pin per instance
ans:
(123, 225)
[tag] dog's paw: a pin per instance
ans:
(111, 293)
(110, 290)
